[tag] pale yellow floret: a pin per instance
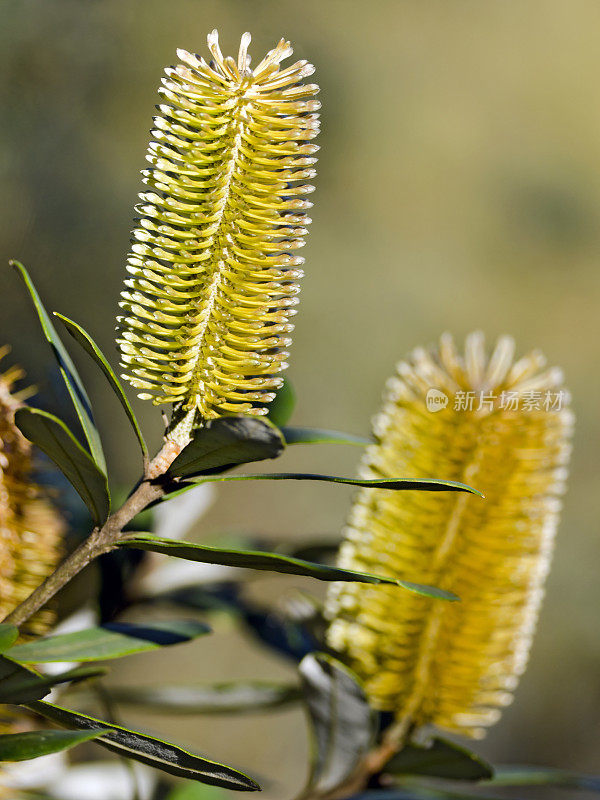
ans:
(213, 272)
(455, 664)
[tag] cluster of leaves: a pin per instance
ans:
(343, 727)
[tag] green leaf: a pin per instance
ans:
(32, 744)
(321, 436)
(113, 640)
(227, 442)
(393, 483)
(282, 407)
(443, 759)
(223, 698)
(196, 791)
(272, 562)
(8, 636)
(544, 776)
(52, 436)
(21, 685)
(67, 369)
(343, 727)
(153, 752)
(92, 349)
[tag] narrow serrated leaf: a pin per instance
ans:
(343, 726)
(272, 562)
(226, 442)
(33, 744)
(113, 640)
(149, 750)
(91, 348)
(52, 436)
(68, 371)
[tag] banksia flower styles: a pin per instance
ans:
(30, 529)
(214, 274)
(503, 427)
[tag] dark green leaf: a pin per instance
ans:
(153, 752)
(282, 407)
(273, 562)
(227, 442)
(8, 636)
(320, 436)
(343, 726)
(443, 759)
(21, 685)
(67, 369)
(92, 349)
(394, 484)
(224, 698)
(52, 436)
(544, 776)
(110, 641)
(32, 744)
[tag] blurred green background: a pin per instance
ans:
(458, 188)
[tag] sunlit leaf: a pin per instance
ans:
(113, 640)
(32, 744)
(92, 349)
(227, 442)
(8, 636)
(67, 369)
(52, 436)
(343, 726)
(443, 759)
(149, 750)
(273, 562)
(224, 698)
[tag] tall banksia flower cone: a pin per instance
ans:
(505, 429)
(214, 275)
(31, 530)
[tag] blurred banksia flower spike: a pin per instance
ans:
(30, 529)
(504, 428)
(214, 275)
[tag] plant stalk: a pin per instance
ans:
(103, 539)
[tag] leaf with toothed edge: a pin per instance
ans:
(149, 750)
(91, 348)
(70, 375)
(52, 436)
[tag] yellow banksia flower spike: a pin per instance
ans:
(213, 265)
(31, 530)
(504, 427)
